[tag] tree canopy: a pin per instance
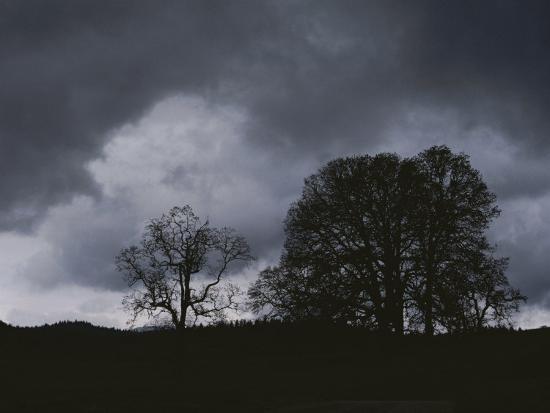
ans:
(393, 244)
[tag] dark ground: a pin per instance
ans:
(79, 368)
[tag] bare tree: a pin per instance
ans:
(179, 269)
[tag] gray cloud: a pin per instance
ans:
(315, 79)
(322, 73)
(71, 71)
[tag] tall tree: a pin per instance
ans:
(179, 267)
(455, 208)
(350, 229)
(391, 243)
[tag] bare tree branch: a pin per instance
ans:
(177, 250)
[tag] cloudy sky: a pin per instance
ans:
(111, 112)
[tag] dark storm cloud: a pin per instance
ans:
(313, 73)
(493, 57)
(489, 60)
(71, 71)
(317, 78)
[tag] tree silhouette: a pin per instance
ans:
(477, 295)
(179, 267)
(295, 294)
(392, 244)
(454, 209)
(351, 230)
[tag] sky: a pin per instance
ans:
(113, 112)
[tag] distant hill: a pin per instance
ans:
(59, 328)
(73, 325)
(149, 328)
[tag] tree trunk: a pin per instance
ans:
(379, 307)
(383, 325)
(398, 299)
(428, 306)
(180, 326)
(185, 301)
(399, 318)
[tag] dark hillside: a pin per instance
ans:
(77, 367)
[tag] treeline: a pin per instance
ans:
(274, 324)
(387, 243)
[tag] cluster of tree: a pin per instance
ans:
(383, 242)
(391, 244)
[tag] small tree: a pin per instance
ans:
(476, 294)
(179, 268)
